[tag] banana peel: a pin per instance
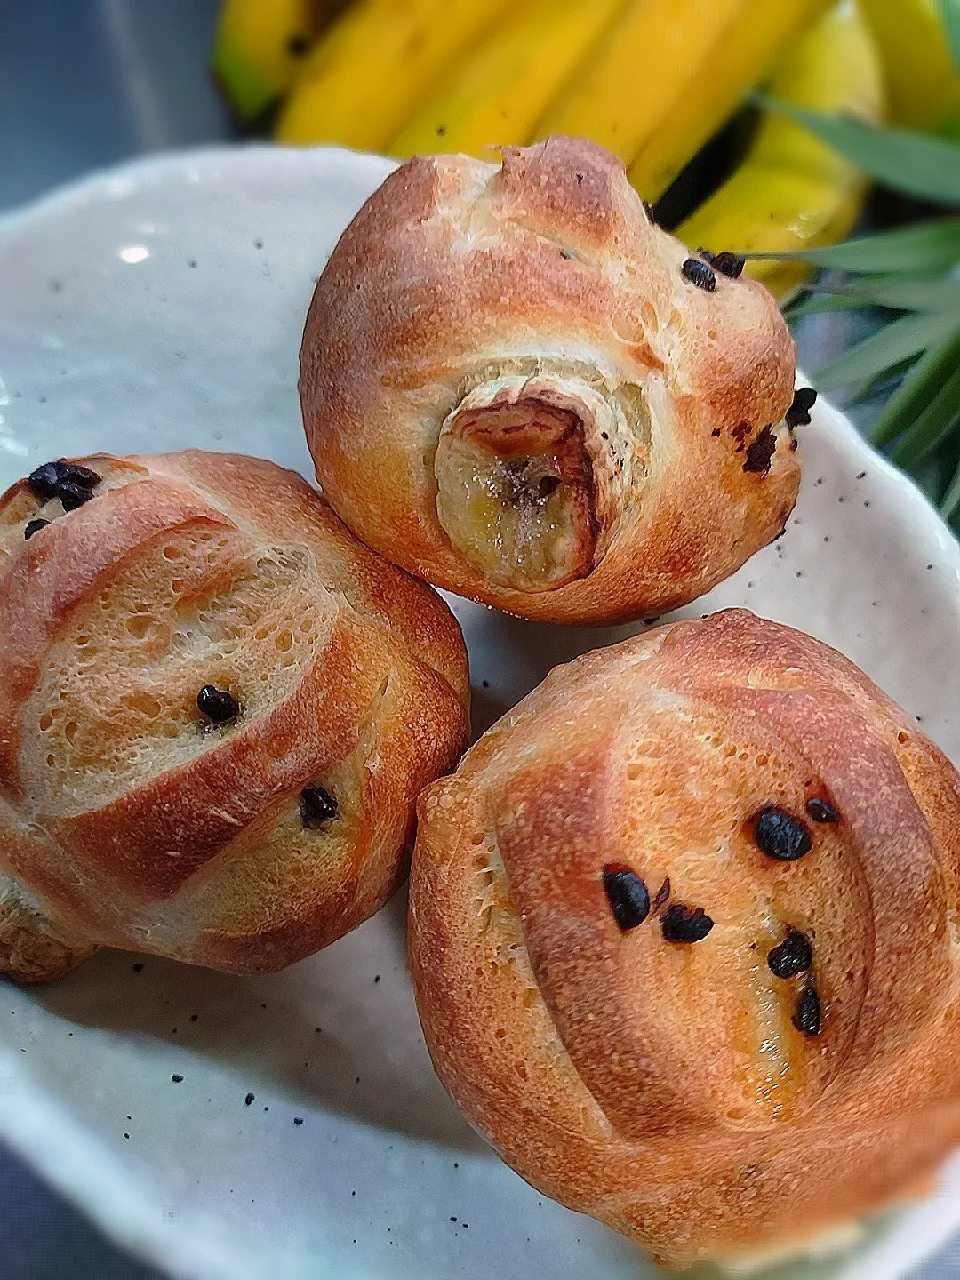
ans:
(372, 69)
(667, 75)
(739, 57)
(496, 94)
(260, 45)
(649, 79)
(791, 191)
(921, 77)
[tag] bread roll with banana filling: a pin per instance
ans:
(516, 386)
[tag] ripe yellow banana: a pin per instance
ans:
(260, 46)
(375, 65)
(497, 93)
(669, 74)
(655, 49)
(792, 191)
(922, 79)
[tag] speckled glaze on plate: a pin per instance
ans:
(291, 1126)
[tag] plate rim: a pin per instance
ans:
(42, 1132)
(76, 191)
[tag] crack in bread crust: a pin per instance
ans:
(133, 821)
(664, 1085)
(456, 277)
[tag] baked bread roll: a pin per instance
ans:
(518, 387)
(216, 712)
(683, 928)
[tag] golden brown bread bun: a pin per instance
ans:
(683, 928)
(513, 386)
(216, 712)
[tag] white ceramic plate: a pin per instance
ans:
(160, 306)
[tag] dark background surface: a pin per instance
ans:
(87, 83)
(83, 84)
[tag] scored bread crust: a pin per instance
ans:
(126, 818)
(664, 1087)
(459, 283)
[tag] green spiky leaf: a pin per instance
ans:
(950, 505)
(950, 17)
(894, 342)
(935, 423)
(898, 293)
(927, 247)
(911, 270)
(920, 166)
(918, 388)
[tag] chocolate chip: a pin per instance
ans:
(217, 705)
(317, 806)
(43, 482)
(806, 1017)
(781, 836)
(740, 433)
(34, 526)
(728, 264)
(760, 453)
(74, 473)
(792, 956)
(73, 495)
(821, 810)
(798, 415)
(685, 924)
(627, 894)
(68, 481)
(661, 896)
(298, 1119)
(177, 1079)
(548, 485)
(706, 254)
(249, 1099)
(699, 273)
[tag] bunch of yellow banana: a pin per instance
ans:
(260, 46)
(921, 75)
(791, 191)
(652, 80)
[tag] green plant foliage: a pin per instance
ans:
(912, 275)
